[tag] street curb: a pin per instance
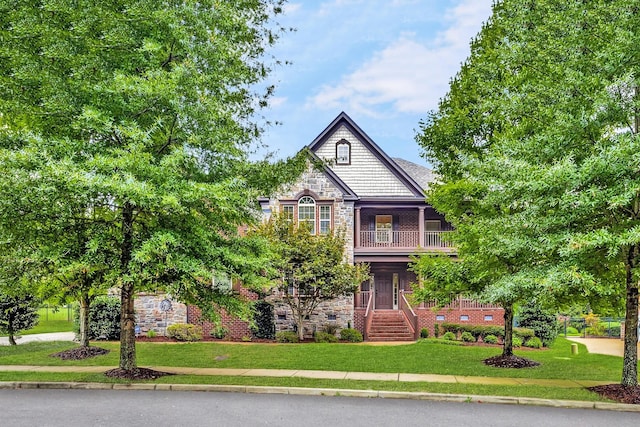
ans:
(436, 397)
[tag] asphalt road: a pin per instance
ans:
(71, 408)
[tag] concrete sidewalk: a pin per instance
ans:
(55, 336)
(332, 375)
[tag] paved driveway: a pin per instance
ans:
(610, 346)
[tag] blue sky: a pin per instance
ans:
(385, 63)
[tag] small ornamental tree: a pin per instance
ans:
(309, 269)
(17, 313)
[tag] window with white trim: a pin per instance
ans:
(343, 152)
(287, 212)
(325, 219)
(307, 212)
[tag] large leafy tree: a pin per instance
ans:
(135, 117)
(309, 269)
(563, 165)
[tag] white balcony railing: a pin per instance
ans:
(403, 239)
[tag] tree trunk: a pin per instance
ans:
(507, 345)
(630, 359)
(127, 315)
(84, 320)
(300, 323)
(10, 331)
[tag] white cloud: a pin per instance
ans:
(409, 75)
(277, 101)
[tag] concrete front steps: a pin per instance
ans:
(389, 325)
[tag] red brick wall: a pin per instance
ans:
(237, 328)
(427, 318)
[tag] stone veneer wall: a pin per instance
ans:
(150, 317)
(316, 182)
(341, 308)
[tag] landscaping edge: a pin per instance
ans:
(437, 397)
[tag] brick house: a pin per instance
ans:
(380, 203)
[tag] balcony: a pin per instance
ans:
(392, 241)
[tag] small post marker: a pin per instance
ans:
(574, 348)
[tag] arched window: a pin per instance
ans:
(343, 152)
(307, 212)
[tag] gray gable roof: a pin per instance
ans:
(420, 174)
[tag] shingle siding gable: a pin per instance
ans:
(366, 175)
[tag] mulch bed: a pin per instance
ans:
(136, 374)
(619, 393)
(510, 362)
(80, 353)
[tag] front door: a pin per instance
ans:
(384, 291)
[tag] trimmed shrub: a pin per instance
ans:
(424, 333)
(523, 333)
(351, 335)
(490, 339)
(571, 331)
(287, 337)
(185, 332)
(436, 330)
(325, 337)
(104, 318)
(263, 319)
(516, 342)
(330, 328)
(467, 337)
(219, 332)
(533, 342)
(449, 336)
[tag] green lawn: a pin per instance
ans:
(421, 357)
(52, 319)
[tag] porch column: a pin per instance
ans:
(357, 228)
(421, 226)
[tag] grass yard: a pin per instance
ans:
(421, 357)
(52, 319)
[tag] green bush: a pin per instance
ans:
(351, 335)
(436, 330)
(613, 331)
(330, 328)
(424, 333)
(490, 339)
(104, 318)
(287, 337)
(523, 333)
(571, 331)
(533, 342)
(324, 337)
(541, 322)
(151, 333)
(467, 337)
(263, 319)
(449, 336)
(516, 342)
(185, 332)
(219, 332)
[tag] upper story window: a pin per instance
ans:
(307, 212)
(343, 152)
(318, 215)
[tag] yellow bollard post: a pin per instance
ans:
(574, 348)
